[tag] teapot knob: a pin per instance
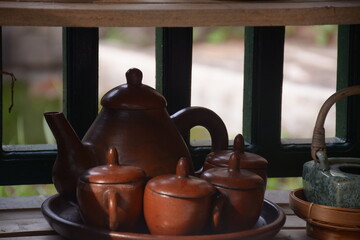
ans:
(239, 143)
(112, 157)
(134, 77)
(234, 162)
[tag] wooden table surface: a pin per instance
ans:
(21, 219)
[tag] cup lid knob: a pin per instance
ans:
(234, 162)
(112, 157)
(239, 143)
(182, 167)
(113, 172)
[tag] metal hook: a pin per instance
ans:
(324, 162)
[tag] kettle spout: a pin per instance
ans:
(72, 158)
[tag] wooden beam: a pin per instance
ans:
(179, 13)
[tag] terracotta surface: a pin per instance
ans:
(65, 219)
(250, 161)
(243, 192)
(111, 196)
(178, 204)
(134, 120)
(72, 159)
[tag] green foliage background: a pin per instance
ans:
(25, 125)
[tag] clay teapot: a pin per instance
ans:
(180, 204)
(111, 196)
(134, 120)
(249, 161)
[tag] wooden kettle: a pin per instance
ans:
(134, 120)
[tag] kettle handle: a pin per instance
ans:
(318, 139)
(189, 117)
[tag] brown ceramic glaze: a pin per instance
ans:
(243, 192)
(249, 161)
(178, 204)
(111, 196)
(134, 120)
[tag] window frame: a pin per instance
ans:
(264, 48)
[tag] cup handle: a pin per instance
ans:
(217, 212)
(111, 200)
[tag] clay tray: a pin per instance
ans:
(64, 218)
(324, 222)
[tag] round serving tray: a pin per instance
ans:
(65, 219)
(325, 222)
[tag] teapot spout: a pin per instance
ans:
(72, 158)
(61, 128)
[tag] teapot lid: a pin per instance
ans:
(112, 172)
(133, 95)
(248, 160)
(181, 185)
(232, 176)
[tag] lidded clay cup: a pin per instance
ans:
(111, 196)
(178, 204)
(249, 161)
(243, 192)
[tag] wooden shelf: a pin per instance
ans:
(177, 13)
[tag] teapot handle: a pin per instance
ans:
(190, 117)
(318, 146)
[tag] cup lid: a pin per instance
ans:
(133, 95)
(248, 160)
(181, 184)
(113, 172)
(232, 176)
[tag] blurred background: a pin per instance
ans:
(34, 56)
